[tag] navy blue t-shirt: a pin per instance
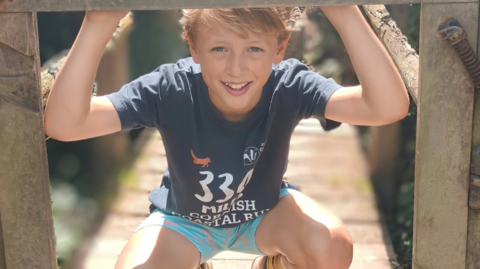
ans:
(222, 173)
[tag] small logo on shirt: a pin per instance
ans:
(250, 155)
(203, 162)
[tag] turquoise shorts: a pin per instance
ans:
(209, 240)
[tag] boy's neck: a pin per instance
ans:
(235, 117)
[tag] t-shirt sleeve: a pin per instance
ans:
(312, 93)
(139, 103)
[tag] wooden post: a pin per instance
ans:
(26, 212)
(444, 129)
(473, 241)
(3, 265)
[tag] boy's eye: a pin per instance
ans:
(255, 49)
(219, 49)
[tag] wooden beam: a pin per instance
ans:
(26, 211)
(444, 131)
(77, 5)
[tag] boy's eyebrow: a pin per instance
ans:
(261, 41)
(220, 40)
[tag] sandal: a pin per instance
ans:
(267, 262)
(206, 265)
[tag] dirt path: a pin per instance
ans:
(327, 166)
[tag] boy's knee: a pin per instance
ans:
(318, 251)
(341, 248)
(338, 253)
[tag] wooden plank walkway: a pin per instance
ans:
(327, 166)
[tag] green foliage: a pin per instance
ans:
(413, 31)
(57, 31)
(71, 214)
(155, 39)
(401, 228)
(326, 53)
(412, 109)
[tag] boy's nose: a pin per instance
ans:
(236, 65)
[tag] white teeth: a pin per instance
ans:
(236, 86)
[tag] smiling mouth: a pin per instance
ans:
(236, 87)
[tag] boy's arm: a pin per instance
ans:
(71, 112)
(381, 97)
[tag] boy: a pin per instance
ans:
(226, 116)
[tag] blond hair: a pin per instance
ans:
(276, 21)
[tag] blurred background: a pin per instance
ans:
(86, 176)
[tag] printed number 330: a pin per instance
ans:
(224, 187)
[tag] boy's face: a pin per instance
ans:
(235, 68)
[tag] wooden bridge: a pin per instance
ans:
(446, 229)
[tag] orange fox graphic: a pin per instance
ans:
(202, 162)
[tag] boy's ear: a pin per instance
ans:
(193, 51)
(282, 47)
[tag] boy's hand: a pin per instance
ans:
(105, 16)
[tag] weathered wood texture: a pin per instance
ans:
(473, 243)
(474, 198)
(473, 240)
(403, 55)
(444, 129)
(25, 203)
(72, 5)
(3, 265)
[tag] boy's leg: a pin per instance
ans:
(156, 247)
(305, 234)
